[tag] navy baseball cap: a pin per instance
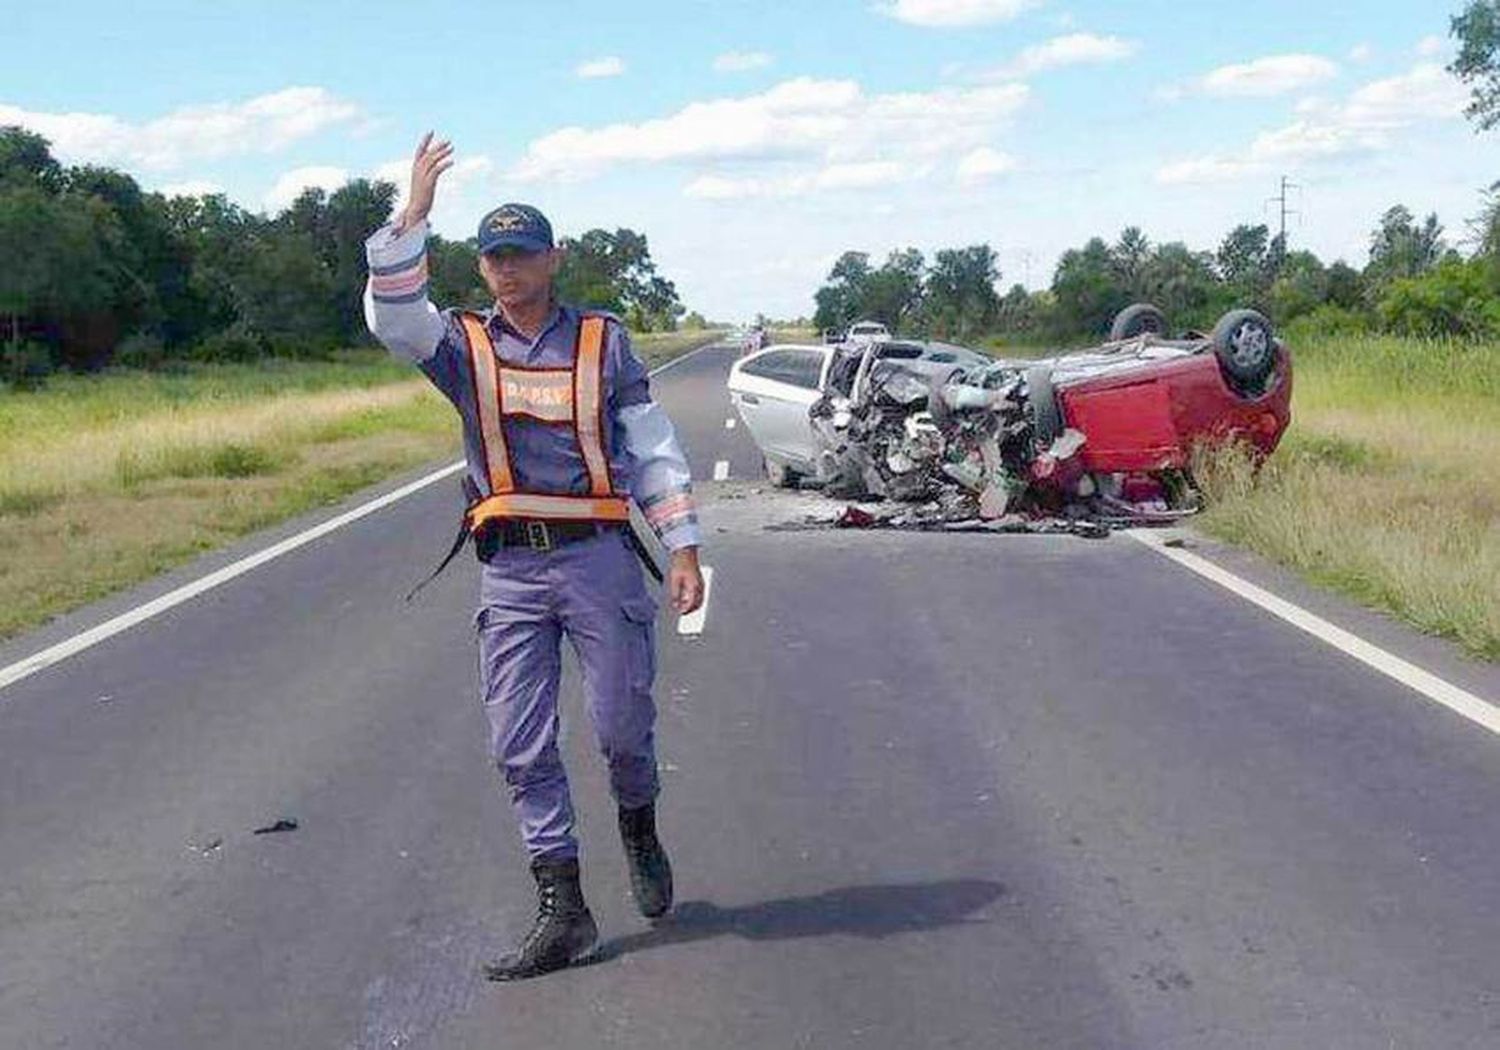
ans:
(515, 226)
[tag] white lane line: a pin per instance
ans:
(691, 353)
(79, 642)
(729, 424)
(30, 665)
(1460, 701)
(721, 470)
(692, 623)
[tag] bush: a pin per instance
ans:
(228, 345)
(141, 350)
(26, 365)
(1326, 321)
(1455, 299)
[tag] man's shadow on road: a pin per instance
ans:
(861, 911)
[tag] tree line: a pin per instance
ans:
(1414, 283)
(99, 272)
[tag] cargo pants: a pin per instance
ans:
(593, 592)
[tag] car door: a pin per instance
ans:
(772, 391)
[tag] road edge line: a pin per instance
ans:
(1460, 701)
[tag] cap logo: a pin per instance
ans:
(506, 221)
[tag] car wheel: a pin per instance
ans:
(1245, 345)
(1137, 319)
(1041, 404)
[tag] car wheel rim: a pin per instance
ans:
(1248, 346)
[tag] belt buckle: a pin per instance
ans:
(538, 536)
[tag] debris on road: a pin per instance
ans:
(929, 519)
(284, 824)
(208, 847)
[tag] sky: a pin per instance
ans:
(753, 141)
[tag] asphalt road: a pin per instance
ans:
(920, 791)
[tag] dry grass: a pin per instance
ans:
(204, 439)
(108, 480)
(1387, 487)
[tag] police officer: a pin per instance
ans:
(560, 432)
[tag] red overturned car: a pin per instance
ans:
(1106, 433)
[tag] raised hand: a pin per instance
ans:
(426, 167)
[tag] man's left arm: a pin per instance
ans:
(663, 482)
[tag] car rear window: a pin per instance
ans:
(801, 368)
(899, 352)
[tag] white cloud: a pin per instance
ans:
(851, 176)
(946, 13)
(1431, 46)
(1361, 53)
(983, 164)
(291, 184)
(1372, 120)
(1426, 92)
(741, 61)
(1205, 170)
(264, 124)
(192, 188)
(827, 121)
(465, 172)
(1071, 50)
(1273, 75)
(608, 66)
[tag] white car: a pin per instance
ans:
(862, 333)
(773, 390)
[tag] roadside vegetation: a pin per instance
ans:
(1387, 486)
(111, 478)
(105, 274)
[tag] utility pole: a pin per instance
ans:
(1280, 201)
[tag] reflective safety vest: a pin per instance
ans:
(564, 397)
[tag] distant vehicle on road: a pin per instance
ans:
(865, 332)
(754, 338)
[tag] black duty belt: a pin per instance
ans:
(522, 532)
(532, 534)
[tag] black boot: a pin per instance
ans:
(650, 871)
(564, 931)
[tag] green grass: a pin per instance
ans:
(112, 396)
(1386, 487)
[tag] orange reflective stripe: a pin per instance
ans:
(588, 380)
(544, 395)
(490, 404)
(551, 508)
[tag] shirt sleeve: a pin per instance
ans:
(663, 484)
(397, 309)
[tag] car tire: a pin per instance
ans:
(1041, 405)
(1245, 344)
(1137, 319)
